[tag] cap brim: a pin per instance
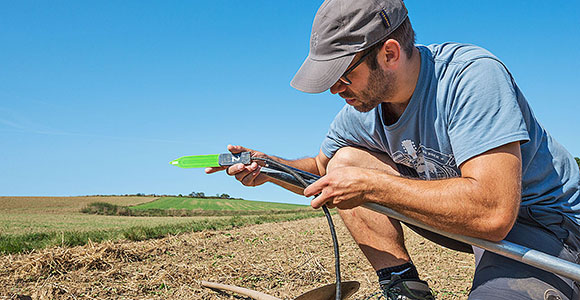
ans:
(317, 76)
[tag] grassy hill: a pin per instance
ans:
(213, 204)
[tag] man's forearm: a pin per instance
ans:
(457, 205)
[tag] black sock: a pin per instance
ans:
(404, 271)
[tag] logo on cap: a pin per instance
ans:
(385, 18)
(314, 41)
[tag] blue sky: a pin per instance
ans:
(96, 97)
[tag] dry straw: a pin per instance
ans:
(282, 259)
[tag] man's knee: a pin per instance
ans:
(357, 157)
(344, 157)
(365, 220)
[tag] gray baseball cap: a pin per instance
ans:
(342, 28)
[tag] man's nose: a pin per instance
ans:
(338, 87)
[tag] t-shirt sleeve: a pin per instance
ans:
(351, 128)
(337, 135)
(484, 113)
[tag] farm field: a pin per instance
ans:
(284, 259)
(32, 223)
(25, 215)
(213, 204)
(20, 215)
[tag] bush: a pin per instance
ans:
(101, 208)
(577, 161)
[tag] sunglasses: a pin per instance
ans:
(344, 79)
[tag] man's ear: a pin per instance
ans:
(391, 53)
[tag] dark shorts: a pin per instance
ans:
(498, 277)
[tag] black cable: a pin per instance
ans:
(328, 218)
(336, 254)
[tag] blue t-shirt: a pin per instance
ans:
(465, 103)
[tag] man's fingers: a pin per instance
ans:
(231, 170)
(246, 178)
(319, 201)
(242, 172)
(249, 180)
(214, 169)
(320, 188)
(314, 188)
(235, 169)
(237, 149)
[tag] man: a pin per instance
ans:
(441, 134)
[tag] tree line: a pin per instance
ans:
(191, 195)
(203, 195)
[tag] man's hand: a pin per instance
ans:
(248, 175)
(344, 188)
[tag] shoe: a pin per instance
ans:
(406, 289)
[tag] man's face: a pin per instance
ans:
(378, 88)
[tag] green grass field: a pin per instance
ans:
(213, 204)
(28, 223)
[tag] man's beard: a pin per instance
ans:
(380, 86)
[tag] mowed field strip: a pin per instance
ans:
(214, 204)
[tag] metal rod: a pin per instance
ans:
(508, 249)
(240, 290)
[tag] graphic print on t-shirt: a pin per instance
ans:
(429, 163)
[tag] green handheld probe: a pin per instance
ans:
(271, 168)
(212, 160)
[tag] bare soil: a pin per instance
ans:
(283, 259)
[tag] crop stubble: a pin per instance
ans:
(283, 259)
